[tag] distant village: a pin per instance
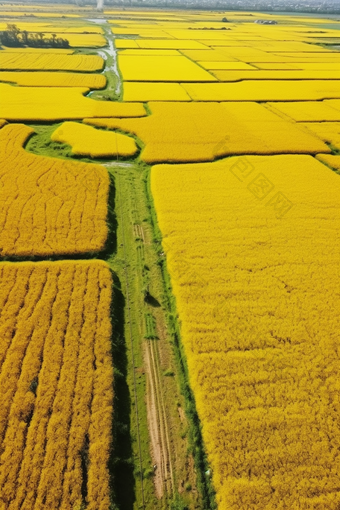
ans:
(303, 6)
(307, 6)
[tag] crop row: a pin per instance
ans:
(56, 379)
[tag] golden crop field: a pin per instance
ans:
(168, 44)
(308, 111)
(95, 143)
(56, 376)
(232, 66)
(327, 131)
(125, 43)
(49, 206)
(333, 161)
(56, 27)
(83, 40)
(47, 79)
(161, 68)
(230, 76)
(154, 91)
(203, 131)
(53, 62)
(216, 213)
(28, 49)
(150, 53)
(267, 90)
(255, 288)
(59, 103)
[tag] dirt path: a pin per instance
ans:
(157, 422)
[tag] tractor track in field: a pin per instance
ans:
(157, 422)
(160, 448)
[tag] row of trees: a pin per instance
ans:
(14, 37)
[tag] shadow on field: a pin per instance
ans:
(121, 464)
(111, 243)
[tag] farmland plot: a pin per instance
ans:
(50, 62)
(253, 257)
(49, 206)
(56, 376)
(203, 131)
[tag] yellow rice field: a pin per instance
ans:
(59, 103)
(56, 27)
(56, 375)
(83, 40)
(49, 206)
(327, 131)
(52, 79)
(268, 90)
(28, 49)
(95, 143)
(253, 255)
(161, 68)
(229, 76)
(168, 44)
(241, 122)
(154, 91)
(333, 161)
(125, 43)
(307, 111)
(49, 62)
(203, 131)
(209, 55)
(233, 66)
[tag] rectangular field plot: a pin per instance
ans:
(208, 55)
(54, 79)
(306, 66)
(82, 40)
(331, 160)
(307, 111)
(58, 103)
(37, 50)
(161, 68)
(271, 90)
(56, 376)
(125, 43)
(227, 65)
(226, 76)
(150, 53)
(170, 44)
(204, 131)
(49, 206)
(327, 131)
(153, 91)
(252, 247)
(50, 62)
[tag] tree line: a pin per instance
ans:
(13, 37)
